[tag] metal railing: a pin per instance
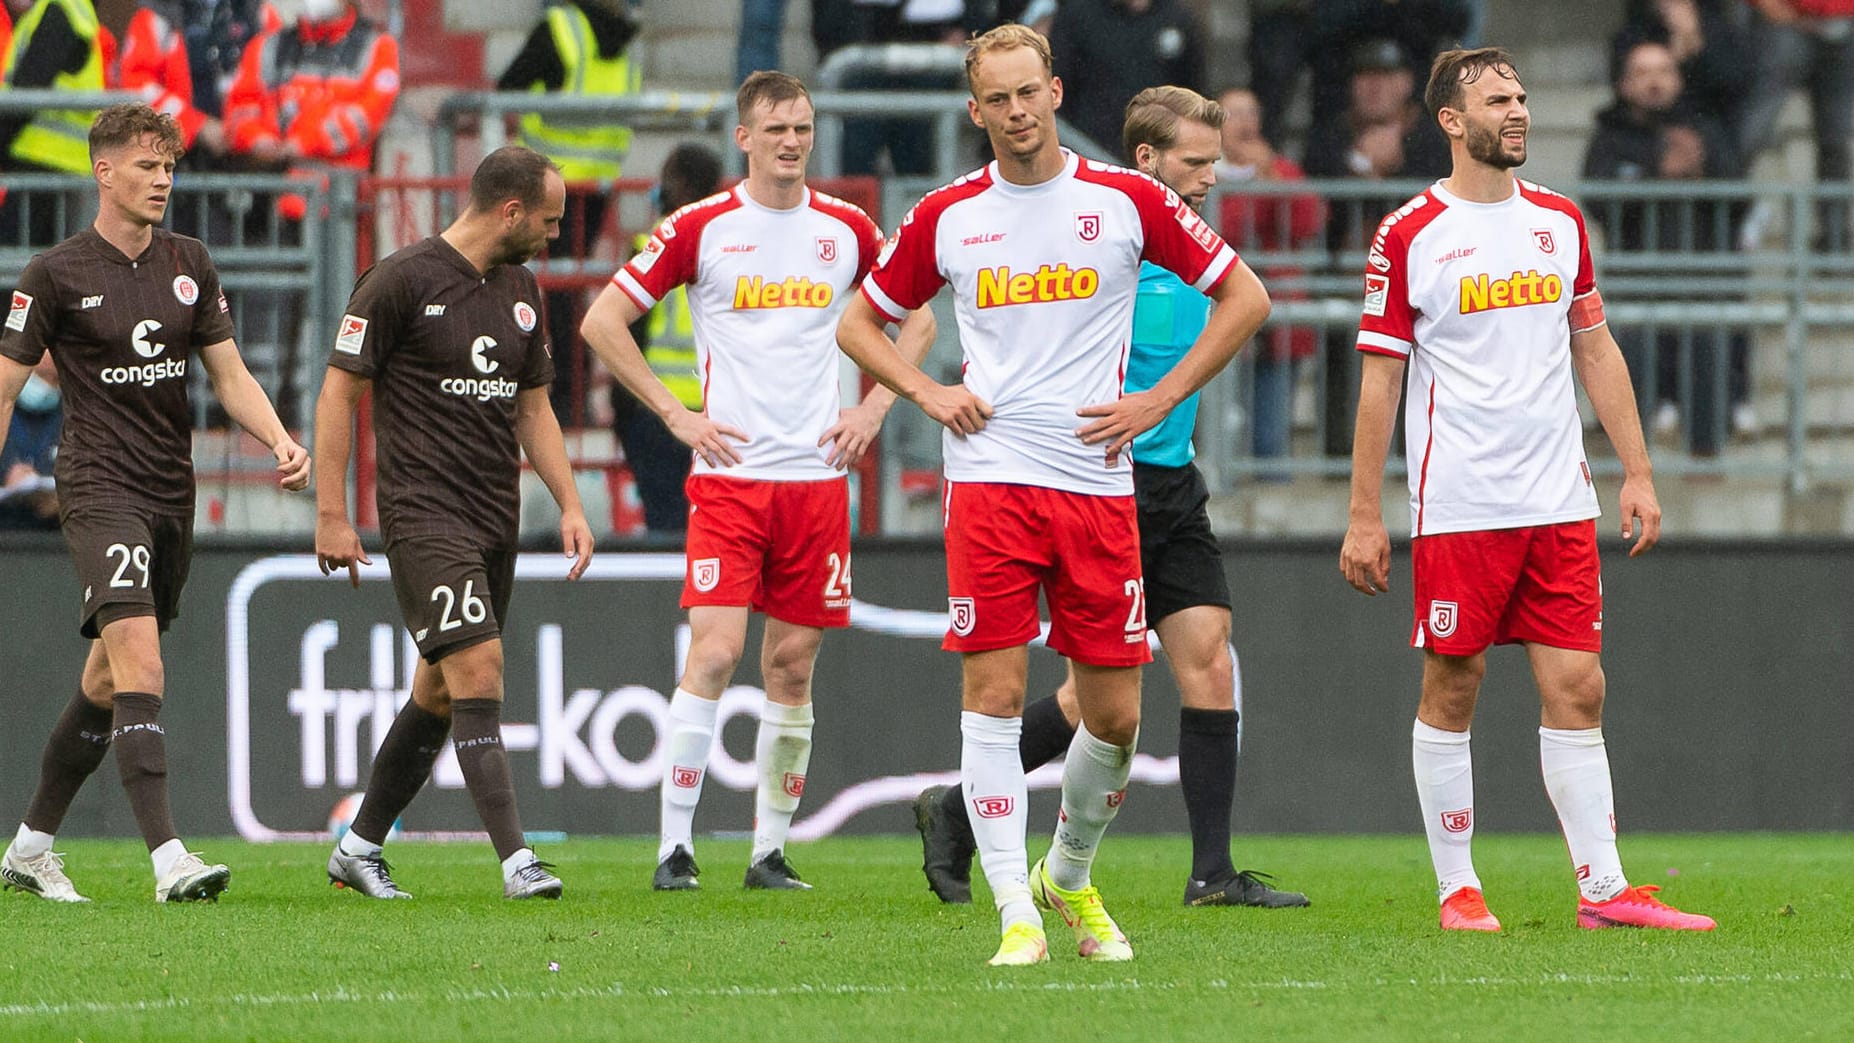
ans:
(1725, 272)
(711, 115)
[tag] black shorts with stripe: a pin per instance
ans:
(130, 561)
(452, 593)
(1177, 550)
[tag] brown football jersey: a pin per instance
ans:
(448, 349)
(122, 332)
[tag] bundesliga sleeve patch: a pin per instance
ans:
(16, 315)
(648, 257)
(353, 332)
(1377, 293)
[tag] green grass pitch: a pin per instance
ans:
(870, 955)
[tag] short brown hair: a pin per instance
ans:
(1007, 37)
(510, 172)
(121, 125)
(770, 87)
(1154, 114)
(1453, 69)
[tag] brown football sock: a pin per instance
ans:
(78, 743)
(141, 754)
(476, 731)
(400, 769)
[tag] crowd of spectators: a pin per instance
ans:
(1334, 84)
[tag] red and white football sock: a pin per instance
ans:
(782, 753)
(1576, 769)
(992, 776)
(1094, 782)
(691, 734)
(1444, 770)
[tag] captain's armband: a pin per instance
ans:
(1587, 312)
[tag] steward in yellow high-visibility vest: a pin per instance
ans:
(56, 46)
(578, 49)
(669, 344)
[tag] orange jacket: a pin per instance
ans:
(154, 63)
(6, 39)
(326, 88)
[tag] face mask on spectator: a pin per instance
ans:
(39, 396)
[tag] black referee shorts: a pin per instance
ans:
(1177, 551)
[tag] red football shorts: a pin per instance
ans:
(1498, 587)
(782, 548)
(1006, 542)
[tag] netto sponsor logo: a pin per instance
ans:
(998, 287)
(794, 291)
(1519, 290)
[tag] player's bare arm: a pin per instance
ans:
(12, 380)
(1242, 307)
(538, 431)
(1365, 556)
(607, 328)
(860, 333)
(856, 428)
(1605, 377)
(337, 545)
(245, 402)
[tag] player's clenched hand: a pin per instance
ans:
(852, 435)
(337, 546)
(1121, 421)
(956, 408)
(576, 541)
(1641, 515)
(1365, 557)
(292, 465)
(707, 438)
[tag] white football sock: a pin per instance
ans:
(691, 735)
(354, 845)
(782, 753)
(1444, 772)
(165, 856)
(516, 861)
(1576, 769)
(30, 843)
(992, 775)
(1094, 780)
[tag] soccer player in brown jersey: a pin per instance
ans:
(124, 307)
(449, 335)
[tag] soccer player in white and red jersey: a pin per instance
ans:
(768, 266)
(1484, 288)
(1042, 251)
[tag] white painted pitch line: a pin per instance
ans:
(619, 990)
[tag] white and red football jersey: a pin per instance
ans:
(765, 289)
(1044, 278)
(1477, 296)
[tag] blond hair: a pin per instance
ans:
(1007, 37)
(1153, 116)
